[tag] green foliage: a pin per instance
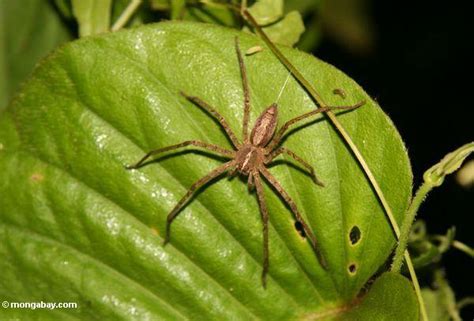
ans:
(288, 30)
(440, 301)
(92, 16)
(64, 7)
(28, 31)
(76, 226)
(425, 249)
(267, 11)
(209, 13)
(177, 8)
(280, 28)
(433, 177)
(159, 4)
(391, 298)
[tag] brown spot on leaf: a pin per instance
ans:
(37, 177)
(154, 231)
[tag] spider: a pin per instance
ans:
(250, 158)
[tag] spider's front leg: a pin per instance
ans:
(279, 135)
(215, 114)
(245, 85)
(211, 147)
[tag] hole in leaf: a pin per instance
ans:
(300, 229)
(352, 268)
(354, 235)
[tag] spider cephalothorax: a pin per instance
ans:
(250, 158)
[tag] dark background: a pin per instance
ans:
(419, 72)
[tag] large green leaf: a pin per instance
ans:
(76, 226)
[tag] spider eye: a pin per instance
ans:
(265, 126)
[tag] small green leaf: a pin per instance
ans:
(160, 4)
(426, 249)
(288, 30)
(178, 8)
(448, 240)
(92, 16)
(75, 225)
(284, 30)
(267, 11)
(28, 31)
(450, 163)
(418, 231)
(65, 8)
(440, 302)
(310, 13)
(424, 253)
(391, 298)
(220, 15)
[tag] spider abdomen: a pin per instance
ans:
(265, 126)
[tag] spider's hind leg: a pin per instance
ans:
(279, 135)
(283, 150)
(288, 200)
(264, 211)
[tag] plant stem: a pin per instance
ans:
(126, 15)
(463, 248)
(416, 285)
(420, 195)
(319, 101)
(464, 302)
(457, 245)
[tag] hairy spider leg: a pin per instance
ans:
(250, 183)
(196, 185)
(245, 85)
(284, 150)
(211, 147)
(214, 113)
(286, 197)
(279, 135)
(264, 211)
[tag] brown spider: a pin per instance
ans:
(250, 158)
